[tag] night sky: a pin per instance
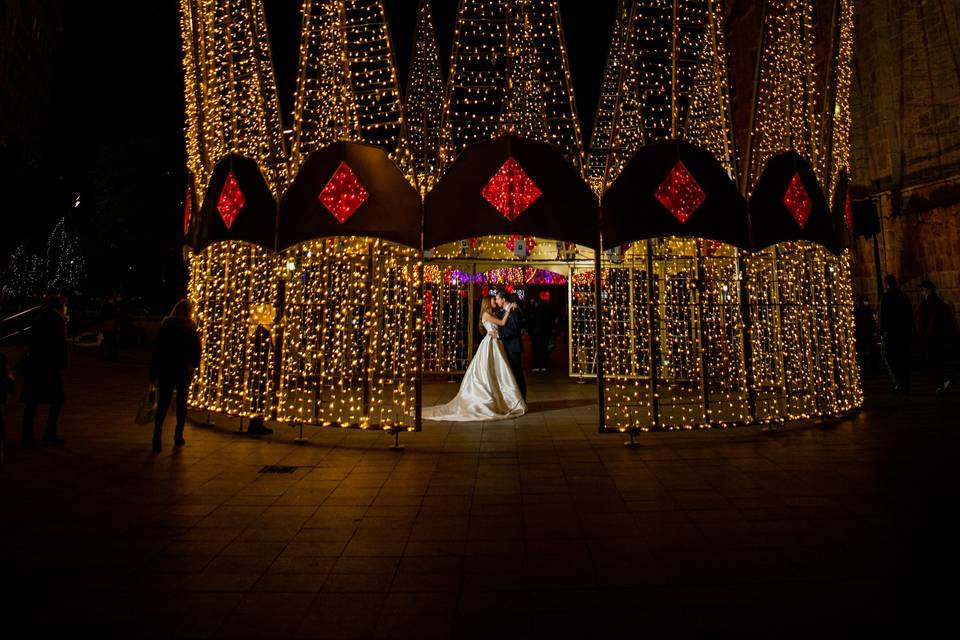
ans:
(116, 127)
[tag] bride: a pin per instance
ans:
(488, 391)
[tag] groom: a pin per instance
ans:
(511, 339)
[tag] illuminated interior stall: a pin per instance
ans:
(493, 221)
(233, 291)
(329, 277)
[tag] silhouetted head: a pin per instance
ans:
(890, 281)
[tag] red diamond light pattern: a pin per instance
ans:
(231, 200)
(511, 191)
(848, 212)
(798, 201)
(680, 194)
(344, 193)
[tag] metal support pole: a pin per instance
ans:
(747, 323)
(652, 340)
(700, 292)
(396, 446)
(597, 312)
(300, 439)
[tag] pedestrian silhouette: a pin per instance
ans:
(938, 331)
(175, 357)
(42, 368)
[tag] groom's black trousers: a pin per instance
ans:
(516, 366)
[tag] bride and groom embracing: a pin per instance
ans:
(493, 387)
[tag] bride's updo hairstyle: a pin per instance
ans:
(486, 306)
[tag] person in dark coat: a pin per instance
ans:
(7, 387)
(541, 331)
(938, 331)
(110, 328)
(42, 369)
(512, 339)
(175, 357)
(865, 332)
(896, 327)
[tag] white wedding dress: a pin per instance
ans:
(488, 391)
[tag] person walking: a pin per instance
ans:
(937, 330)
(42, 368)
(175, 357)
(896, 327)
(865, 332)
(7, 387)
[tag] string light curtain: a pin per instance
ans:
(840, 117)
(425, 98)
(349, 334)
(785, 114)
(563, 122)
(601, 138)
(232, 104)
(375, 81)
(480, 65)
(325, 107)
(234, 296)
(672, 84)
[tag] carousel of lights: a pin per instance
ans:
(680, 331)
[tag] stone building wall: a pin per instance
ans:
(906, 141)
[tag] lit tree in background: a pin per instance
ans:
(325, 108)
(425, 98)
(23, 275)
(231, 92)
(480, 65)
(785, 117)
(65, 265)
(673, 82)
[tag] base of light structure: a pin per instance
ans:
(694, 334)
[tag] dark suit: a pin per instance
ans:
(510, 336)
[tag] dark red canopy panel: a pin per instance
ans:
(842, 210)
(788, 204)
(674, 189)
(349, 189)
(238, 205)
(511, 185)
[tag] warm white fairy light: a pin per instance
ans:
(694, 333)
(232, 104)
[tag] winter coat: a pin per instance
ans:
(177, 351)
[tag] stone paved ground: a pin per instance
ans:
(535, 528)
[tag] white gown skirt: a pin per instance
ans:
(488, 391)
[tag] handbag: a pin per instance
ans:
(148, 406)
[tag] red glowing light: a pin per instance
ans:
(428, 306)
(231, 200)
(187, 211)
(848, 212)
(343, 194)
(511, 191)
(797, 201)
(680, 194)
